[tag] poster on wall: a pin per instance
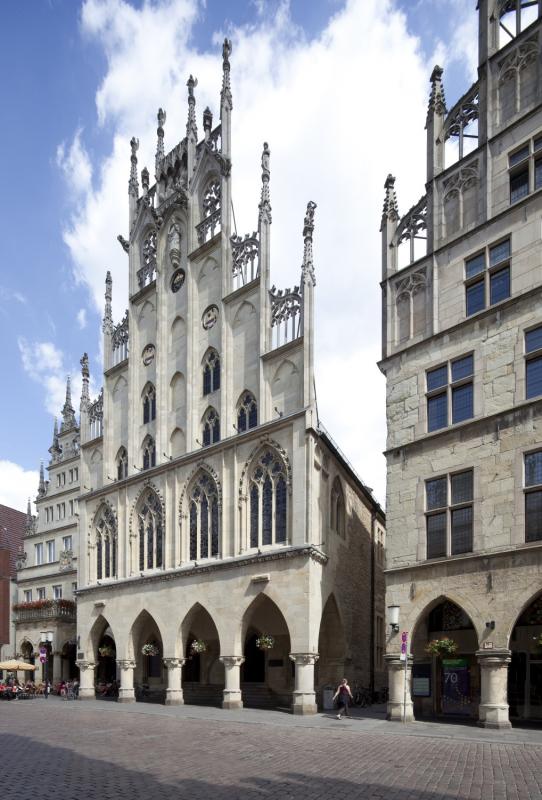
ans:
(421, 680)
(456, 697)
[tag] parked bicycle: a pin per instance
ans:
(362, 696)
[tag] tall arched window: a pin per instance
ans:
(247, 412)
(268, 500)
(204, 518)
(211, 428)
(337, 512)
(106, 543)
(122, 464)
(149, 403)
(211, 372)
(151, 531)
(149, 453)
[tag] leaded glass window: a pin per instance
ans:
(268, 500)
(149, 404)
(106, 543)
(211, 372)
(449, 514)
(149, 453)
(337, 513)
(122, 464)
(204, 518)
(151, 531)
(247, 412)
(211, 428)
(533, 496)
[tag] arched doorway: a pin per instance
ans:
(445, 683)
(27, 652)
(106, 679)
(203, 672)
(525, 669)
(149, 678)
(69, 669)
(330, 667)
(267, 674)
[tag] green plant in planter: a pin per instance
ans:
(441, 647)
(149, 649)
(265, 642)
(198, 646)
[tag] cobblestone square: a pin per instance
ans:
(82, 751)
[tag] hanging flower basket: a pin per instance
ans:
(265, 642)
(538, 640)
(107, 651)
(150, 650)
(441, 647)
(198, 646)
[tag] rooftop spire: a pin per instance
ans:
(107, 323)
(265, 202)
(55, 450)
(191, 126)
(207, 123)
(161, 116)
(85, 397)
(390, 210)
(133, 185)
(41, 486)
(225, 94)
(68, 412)
(437, 102)
(308, 228)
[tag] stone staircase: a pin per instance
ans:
(258, 695)
(198, 694)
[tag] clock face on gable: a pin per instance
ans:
(177, 280)
(148, 354)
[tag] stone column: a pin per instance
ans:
(398, 709)
(304, 700)
(86, 680)
(126, 691)
(56, 677)
(493, 710)
(232, 673)
(174, 691)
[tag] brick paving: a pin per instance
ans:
(85, 751)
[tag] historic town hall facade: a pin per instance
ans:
(228, 552)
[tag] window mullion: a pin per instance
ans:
(260, 513)
(273, 511)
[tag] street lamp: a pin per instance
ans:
(393, 615)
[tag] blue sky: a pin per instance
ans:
(60, 162)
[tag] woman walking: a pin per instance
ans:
(345, 695)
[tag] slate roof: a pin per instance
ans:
(12, 524)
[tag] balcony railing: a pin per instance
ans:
(51, 609)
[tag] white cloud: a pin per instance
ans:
(339, 111)
(82, 318)
(75, 165)
(17, 485)
(45, 364)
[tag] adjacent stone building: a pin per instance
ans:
(229, 553)
(12, 524)
(44, 613)
(462, 354)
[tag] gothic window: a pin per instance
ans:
(106, 543)
(150, 531)
(122, 464)
(211, 428)
(247, 412)
(211, 198)
(337, 516)
(268, 501)
(149, 453)
(147, 273)
(211, 372)
(204, 518)
(514, 17)
(149, 403)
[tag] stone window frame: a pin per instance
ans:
(28, 595)
(532, 355)
(148, 398)
(448, 508)
(49, 550)
(67, 540)
(530, 490)
(42, 593)
(57, 591)
(337, 508)
(487, 273)
(447, 388)
(526, 160)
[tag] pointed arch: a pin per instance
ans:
(145, 630)
(121, 385)
(96, 456)
(211, 371)
(148, 397)
(266, 481)
(178, 329)
(201, 466)
(149, 517)
(420, 618)
(121, 461)
(247, 411)
(148, 452)
(177, 442)
(204, 517)
(332, 644)
(210, 423)
(262, 444)
(105, 540)
(285, 370)
(209, 266)
(99, 628)
(337, 510)
(146, 311)
(244, 313)
(177, 395)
